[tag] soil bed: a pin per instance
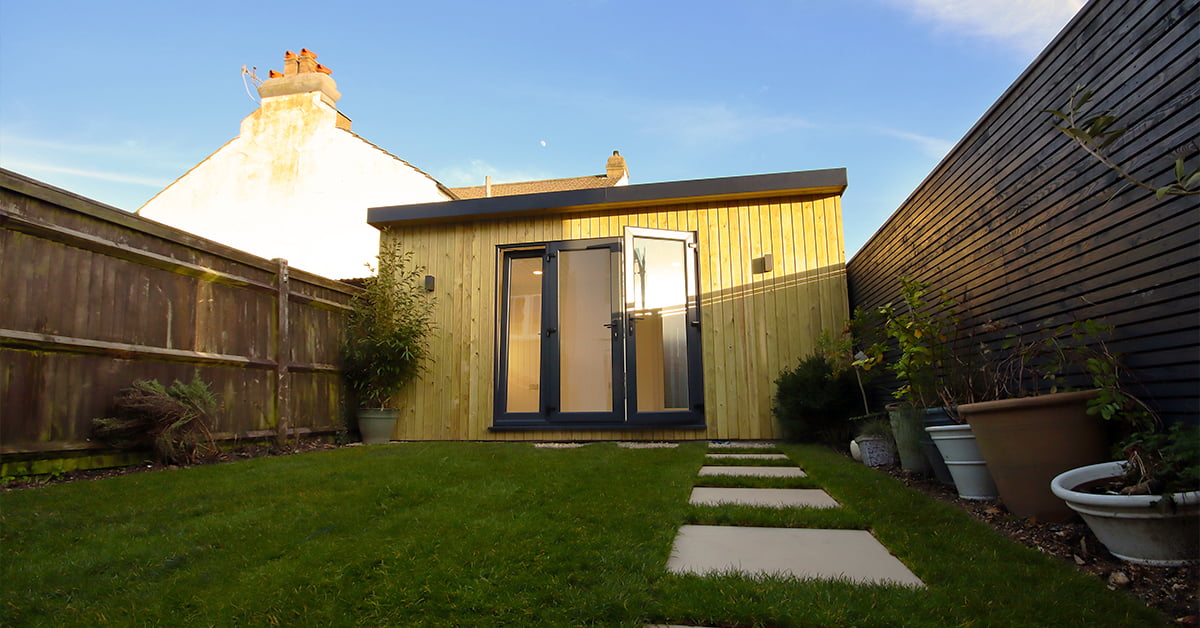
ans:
(1173, 591)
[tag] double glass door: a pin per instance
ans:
(601, 333)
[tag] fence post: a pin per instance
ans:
(282, 354)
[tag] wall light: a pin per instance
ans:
(429, 281)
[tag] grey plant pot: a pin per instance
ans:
(957, 446)
(376, 425)
(1136, 528)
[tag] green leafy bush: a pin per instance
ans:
(387, 330)
(172, 422)
(814, 401)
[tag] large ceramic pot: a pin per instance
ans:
(376, 425)
(1138, 528)
(907, 430)
(1028, 441)
(961, 454)
(935, 417)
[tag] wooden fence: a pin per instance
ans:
(93, 298)
(1022, 226)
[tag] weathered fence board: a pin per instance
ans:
(95, 298)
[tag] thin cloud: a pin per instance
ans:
(474, 172)
(26, 167)
(718, 124)
(1024, 25)
(935, 147)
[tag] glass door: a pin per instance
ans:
(663, 371)
(583, 332)
(600, 333)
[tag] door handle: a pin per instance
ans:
(550, 331)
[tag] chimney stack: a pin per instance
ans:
(301, 74)
(615, 168)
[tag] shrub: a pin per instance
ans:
(172, 422)
(814, 401)
(387, 329)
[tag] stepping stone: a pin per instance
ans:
(647, 445)
(759, 472)
(719, 444)
(853, 555)
(748, 456)
(769, 497)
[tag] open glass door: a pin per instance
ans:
(663, 372)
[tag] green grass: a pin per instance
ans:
(475, 534)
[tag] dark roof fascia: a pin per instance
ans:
(807, 182)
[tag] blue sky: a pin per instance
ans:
(114, 100)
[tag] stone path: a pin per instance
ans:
(854, 555)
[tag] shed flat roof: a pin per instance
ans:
(807, 182)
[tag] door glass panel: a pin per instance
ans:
(524, 333)
(657, 302)
(585, 344)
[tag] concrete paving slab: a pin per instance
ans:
(753, 444)
(769, 497)
(804, 553)
(747, 456)
(759, 472)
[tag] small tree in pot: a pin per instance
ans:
(386, 342)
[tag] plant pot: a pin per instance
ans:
(875, 450)
(961, 453)
(1028, 441)
(376, 425)
(1136, 528)
(907, 430)
(936, 417)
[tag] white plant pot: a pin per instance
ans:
(1136, 528)
(875, 450)
(957, 446)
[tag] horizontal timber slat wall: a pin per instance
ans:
(95, 298)
(1022, 226)
(753, 325)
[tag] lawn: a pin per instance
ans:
(490, 534)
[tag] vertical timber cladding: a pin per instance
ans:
(753, 325)
(1021, 225)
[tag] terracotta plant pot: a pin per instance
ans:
(1028, 441)
(1136, 528)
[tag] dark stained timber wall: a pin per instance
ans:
(93, 298)
(1023, 227)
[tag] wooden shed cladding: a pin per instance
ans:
(1022, 225)
(96, 298)
(752, 325)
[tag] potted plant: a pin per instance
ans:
(1146, 508)
(386, 339)
(1030, 426)
(875, 444)
(923, 336)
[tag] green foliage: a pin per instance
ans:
(386, 343)
(1094, 132)
(172, 422)
(1163, 461)
(814, 401)
(923, 332)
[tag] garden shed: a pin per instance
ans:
(653, 311)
